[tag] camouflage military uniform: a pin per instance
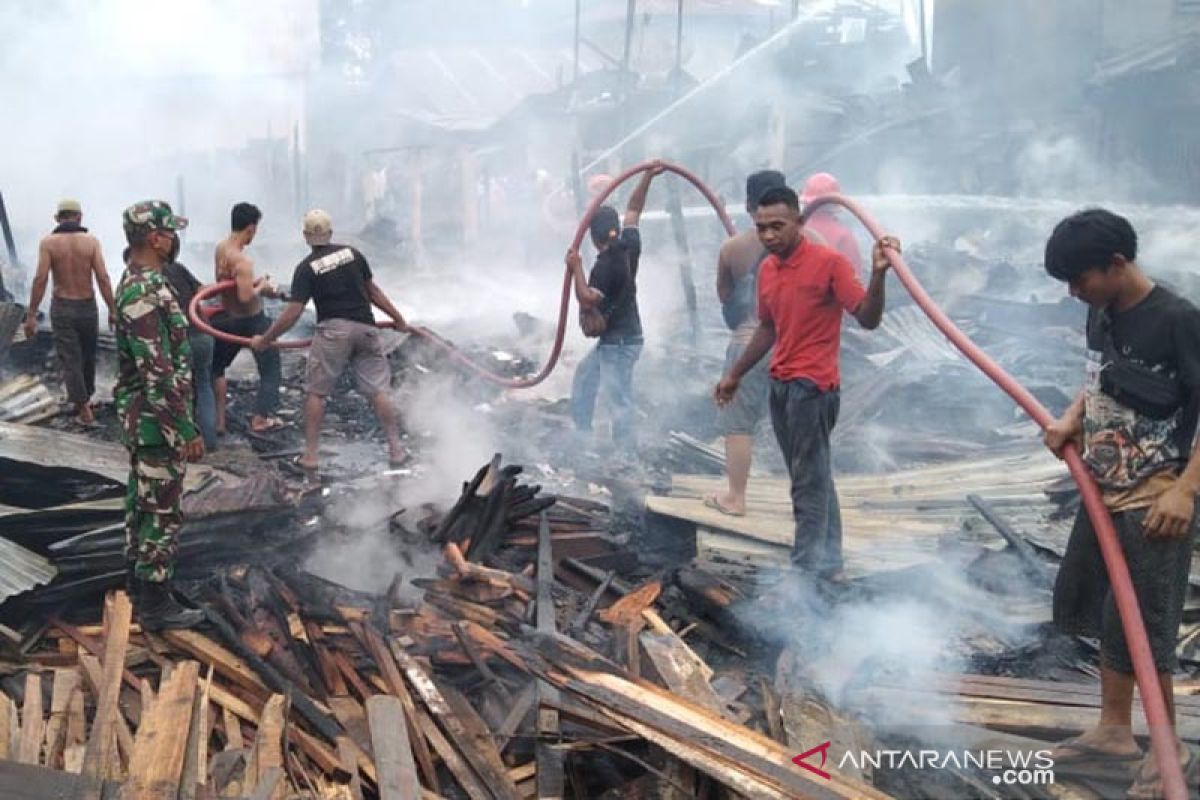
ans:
(153, 398)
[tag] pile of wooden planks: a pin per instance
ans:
(522, 672)
(889, 522)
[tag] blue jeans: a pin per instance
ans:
(202, 387)
(609, 365)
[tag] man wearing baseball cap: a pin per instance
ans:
(72, 256)
(153, 399)
(338, 280)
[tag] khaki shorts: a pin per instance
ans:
(341, 342)
(749, 405)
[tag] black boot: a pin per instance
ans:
(158, 610)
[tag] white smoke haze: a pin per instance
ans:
(455, 440)
(901, 637)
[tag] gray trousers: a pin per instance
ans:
(803, 417)
(75, 326)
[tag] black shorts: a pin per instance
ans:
(1159, 567)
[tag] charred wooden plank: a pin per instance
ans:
(482, 759)
(585, 614)
(551, 782)
(395, 682)
(303, 704)
(454, 761)
(392, 749)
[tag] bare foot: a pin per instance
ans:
(397, 455)
(85, 414)
(726, 503)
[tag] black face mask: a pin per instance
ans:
(69, 226)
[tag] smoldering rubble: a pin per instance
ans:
(521, 611)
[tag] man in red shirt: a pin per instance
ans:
(803, 288)
(824, 221)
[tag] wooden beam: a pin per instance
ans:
(156, 766)
(681, 669)
(33, 724)
(353, 718)
(8, 741)
(392, 749)
(206, 651)
(66, 685)
(99, 756)
(482, 760)
(453, 760)
(195, 761)
(233, 729)
(391, 675)
(93, 675)
(268, 746)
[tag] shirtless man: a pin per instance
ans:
(243, 316)
(73, 257)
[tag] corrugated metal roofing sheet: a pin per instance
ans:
(21, 570)
(469, 88)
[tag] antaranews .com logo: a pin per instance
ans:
(1008, 767)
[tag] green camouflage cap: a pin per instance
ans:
(153, 214)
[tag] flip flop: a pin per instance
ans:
(308, 468)
(1073, 753)
(1152, 789)
(712, 502)
(273, 424)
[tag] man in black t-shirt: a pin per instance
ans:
(338, 280)
(612, 289)
(1136, 421)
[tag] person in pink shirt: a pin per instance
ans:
(824, 220)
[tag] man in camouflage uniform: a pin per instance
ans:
(153, 397)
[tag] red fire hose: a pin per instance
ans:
(195, 311)
(1162, 738)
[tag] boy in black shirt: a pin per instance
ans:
(612, 290)
(1136, 421)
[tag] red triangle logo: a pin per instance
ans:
(824, 750)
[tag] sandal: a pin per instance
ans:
(1076, 757)
(309, 469)
(1149, 787)
(271, 424)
